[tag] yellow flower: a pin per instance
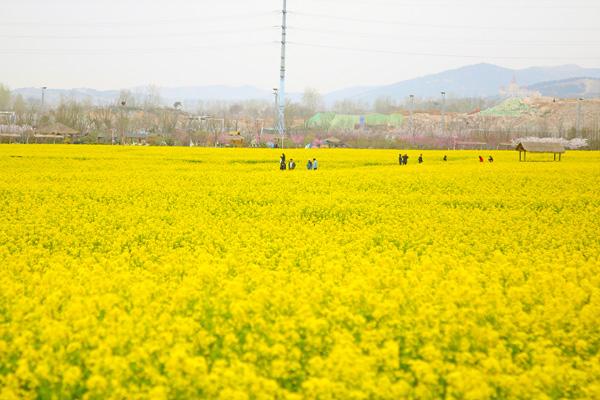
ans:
(144, 273)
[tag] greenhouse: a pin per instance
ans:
(330, 121)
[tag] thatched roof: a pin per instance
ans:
(540, 147)
(56, 129)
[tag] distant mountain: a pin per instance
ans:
(480, 80)
(215, 92)
(348, 93)
(575, 87)
(53, 96)
(190, 94)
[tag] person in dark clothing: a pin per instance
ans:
(282, 166)
(491, 159)
(309, 165)
(445, 158)
(421, 159)
(400, 159)
(405, 159)
(282, 158)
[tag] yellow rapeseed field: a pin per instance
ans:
(134, 273)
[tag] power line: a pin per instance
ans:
(138, 35)
(135, 23)
(419, 4)
(437, 40)
(112, 51)
(407, 23)
(407, 53)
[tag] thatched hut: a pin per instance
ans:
(334, 142)
(539, 147)
(54, 131)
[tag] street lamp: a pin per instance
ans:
(443, 112)
(189, 129)
(43, 95)
(123, 104)
(411, 106)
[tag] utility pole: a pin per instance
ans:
(443, 113)
(411, 106)
(281, 93)
(578, 129)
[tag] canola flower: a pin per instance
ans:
(174, 273)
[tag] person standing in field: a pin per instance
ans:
(292, 164)
(315, 164)
(400, 158)
(282, 158)
(480, 159)
(445, 157)
(309, 165)
(405, 159)
(491, 159)
(420, 158)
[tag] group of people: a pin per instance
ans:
(291, 165)
(403, 159)
(314, 164)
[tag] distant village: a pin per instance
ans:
(449, 123)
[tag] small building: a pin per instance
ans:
(136, 137)
(232, 139)
(53, 132)
(236, 140)
(10, 136)
(333, 142)
(469, 145)
(539, 147)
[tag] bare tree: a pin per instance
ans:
(4, 97)
(106, 116)
(152, 98)
(312, 102)
(348, 106)
(214, 127)
(72, 113)
(384, 105)
(167, 121)
(125, 95)
(20, 109)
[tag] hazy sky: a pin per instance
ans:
(111, 44)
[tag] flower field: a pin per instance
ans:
(134, 273)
